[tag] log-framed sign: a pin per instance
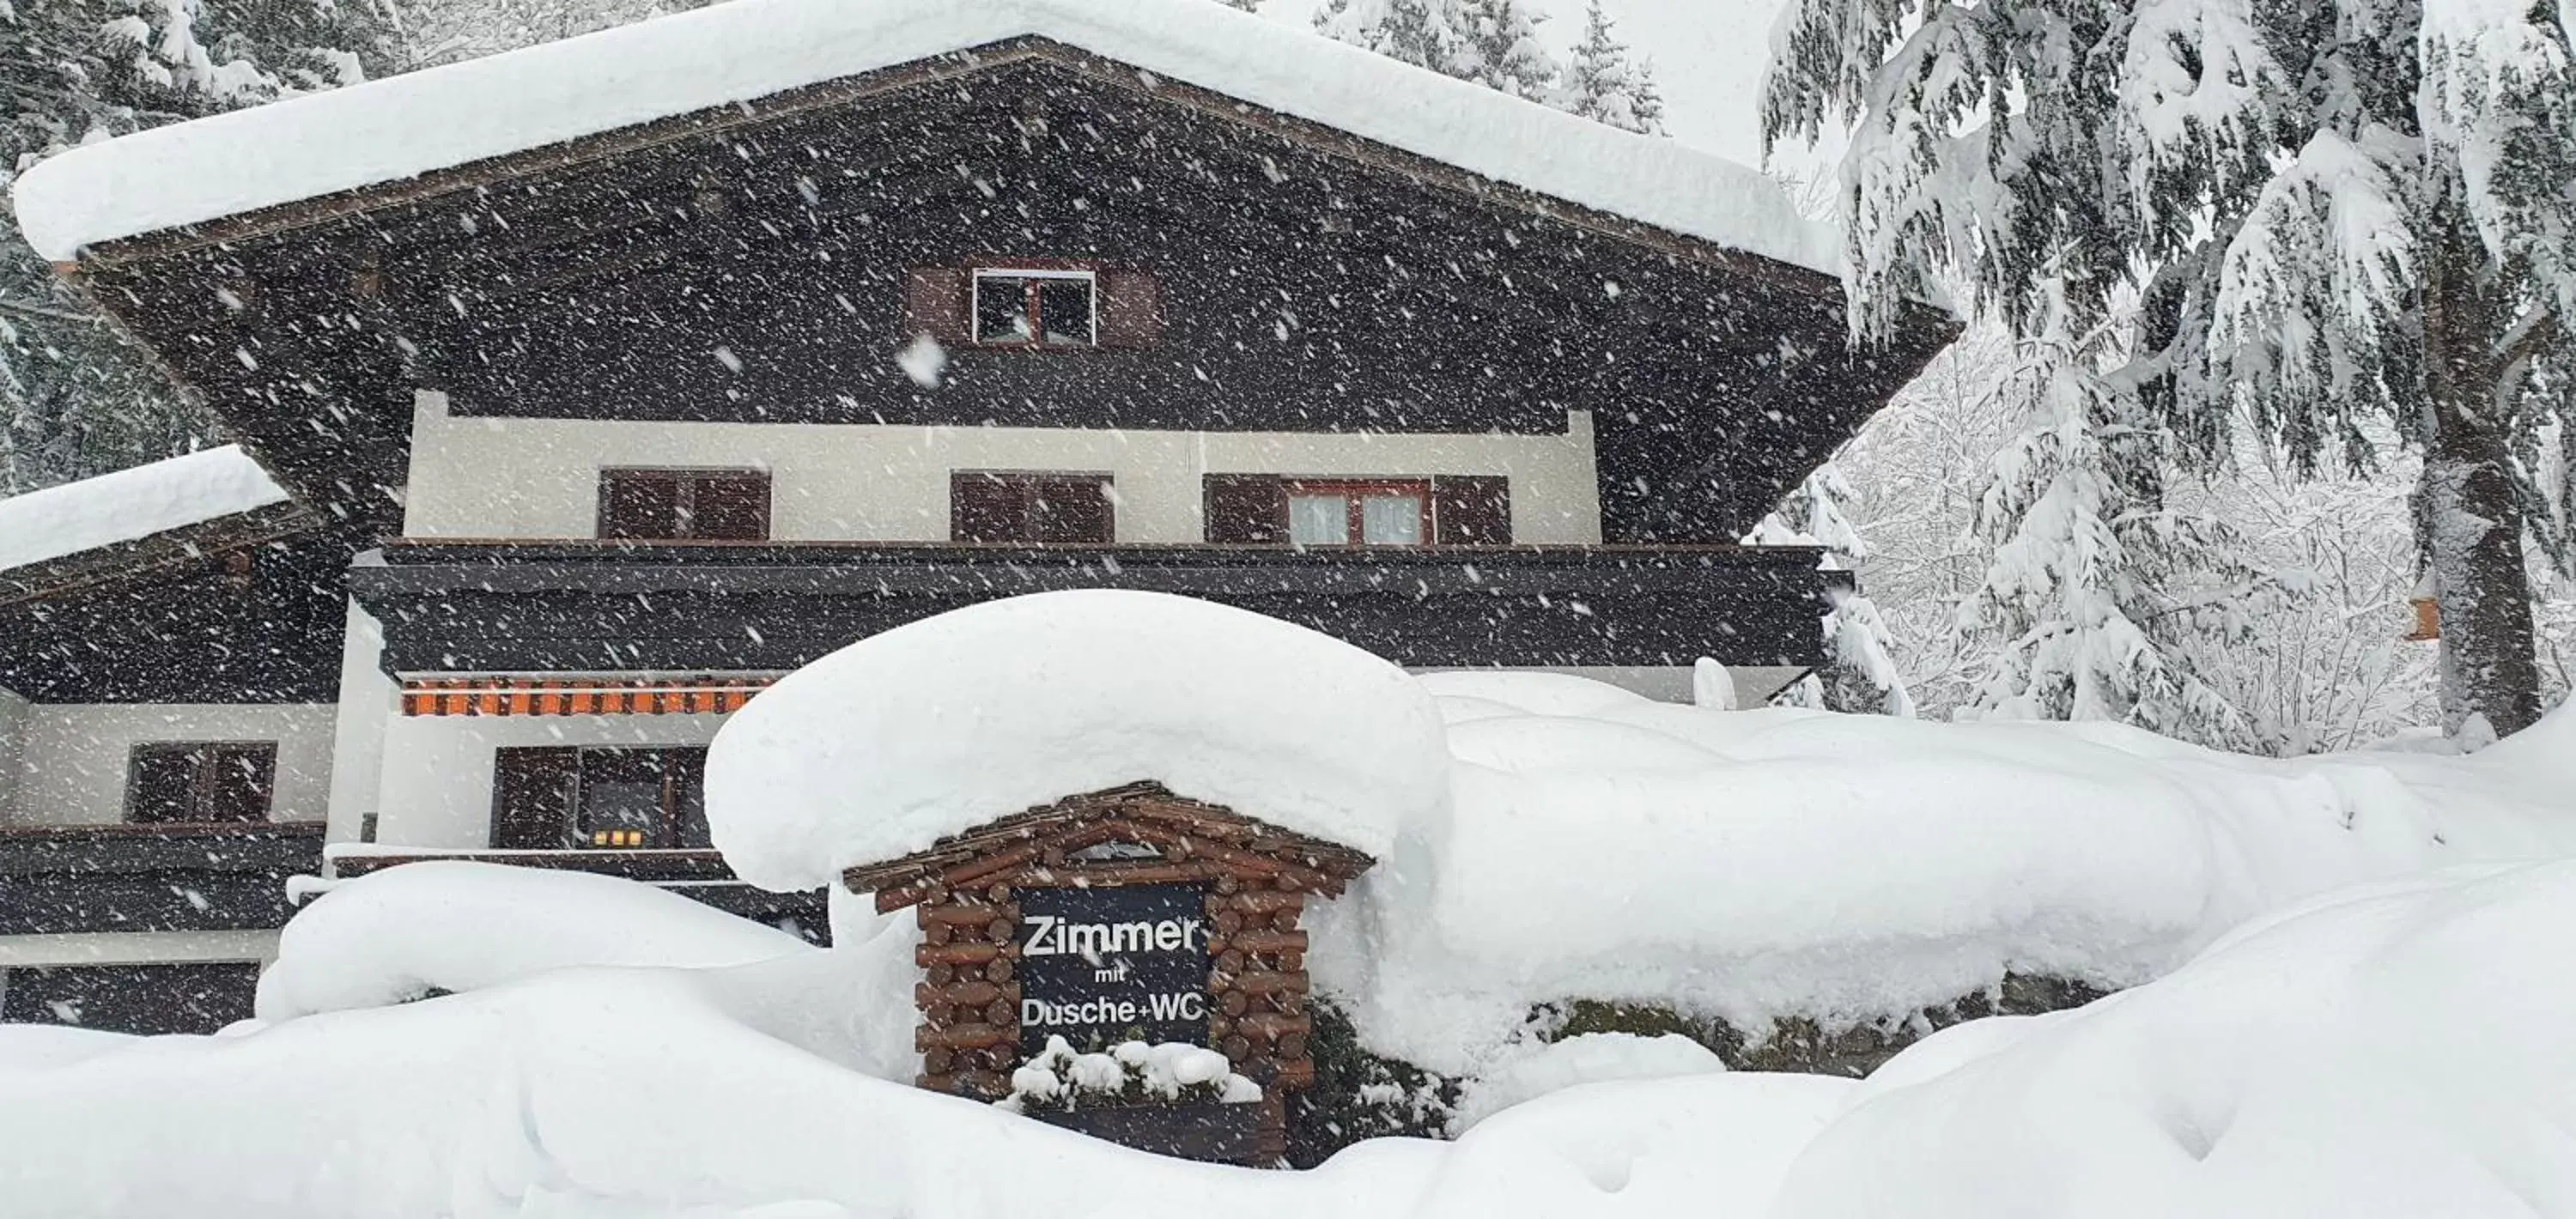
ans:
(1129, 913)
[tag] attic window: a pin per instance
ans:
(1035, 308)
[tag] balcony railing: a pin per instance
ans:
(151, 877)
(469, 605)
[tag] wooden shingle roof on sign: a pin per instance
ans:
(1178, 840)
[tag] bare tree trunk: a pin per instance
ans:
(2472, 519)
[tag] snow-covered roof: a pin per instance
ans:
(936, 728)
(131, 504)
(412, 124)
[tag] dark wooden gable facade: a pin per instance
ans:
(765, 262)
(246, 608)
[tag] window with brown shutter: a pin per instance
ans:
(684, 505)
(1272, 509)
(1472, 509)
(620, 798)
(1029, 507)
(200, 781)
(1049, 304)
(1358, 512)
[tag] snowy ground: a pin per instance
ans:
(2393, 1050)
(2348, 972)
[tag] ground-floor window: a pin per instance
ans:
(603, 798)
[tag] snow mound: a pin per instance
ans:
(1756, 865)
(451, 925)
(727, 54)
(2394, 1050)
(1589, 1058)
(131, 504)
(888, 745)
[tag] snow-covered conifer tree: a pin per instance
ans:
(1605, 83)
(2101, 600)
(1860, 672)
(2333, 213)
(1491, 42)
(1498, 48)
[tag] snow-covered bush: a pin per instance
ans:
(1060, 1079)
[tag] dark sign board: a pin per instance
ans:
(1110, 963)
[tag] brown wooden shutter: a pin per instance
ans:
(639, 504)
(1131, 309)
(685, 777)
(161, 785)
(1246, 509)
(1074, 510)
(533, 788)
(730, 507)
(934, 303)
(984, 508)
(1471, 509)
(239, 782)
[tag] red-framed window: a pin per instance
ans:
(1355, 512)
(1277, 510)
(1036, 307)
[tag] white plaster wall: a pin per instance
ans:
(437, 784)
(368, 701)
(538, 478)
(136, 948)
(72, 766)
(13, 752)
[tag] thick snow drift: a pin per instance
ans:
(886, 746)
(2389, 1052)
(725, 54)
(1759, 864)
(131, 504)
(2396, 1050)
(455, 926)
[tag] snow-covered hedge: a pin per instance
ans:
(1060, 1079)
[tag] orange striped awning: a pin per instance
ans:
(578, 695)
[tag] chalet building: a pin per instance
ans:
(604, 382)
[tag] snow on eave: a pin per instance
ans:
(404, 126)
(129, 505)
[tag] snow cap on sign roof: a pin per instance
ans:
(403, 126)
(131, 504)
(932, 729)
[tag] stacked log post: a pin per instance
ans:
(1257, 987)
(969, 995)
